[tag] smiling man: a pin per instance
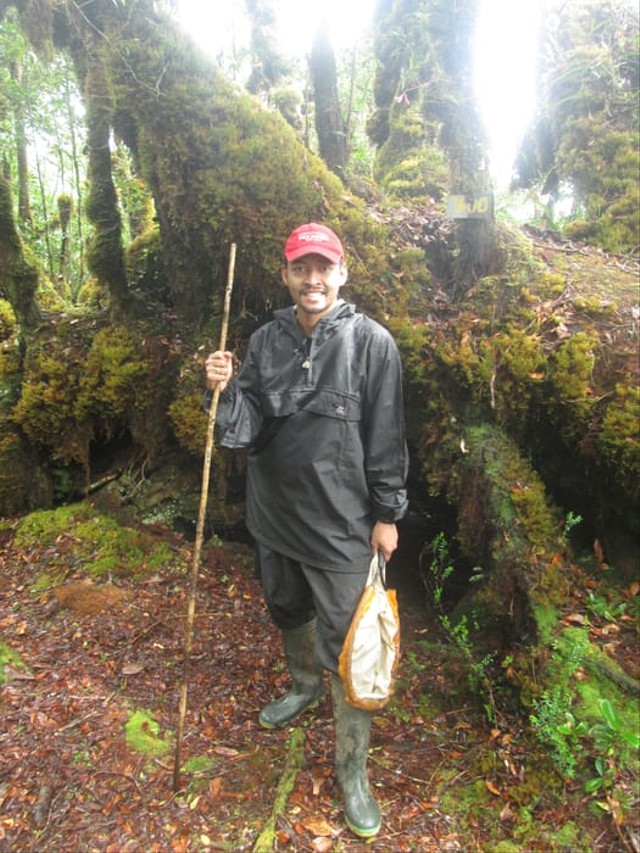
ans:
(318, 402)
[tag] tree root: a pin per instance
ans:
(293, 764)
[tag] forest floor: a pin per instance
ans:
(89, 700)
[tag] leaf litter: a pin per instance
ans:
(71, 781)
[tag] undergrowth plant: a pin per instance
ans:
(460, 632)
(557, 729)
(572, 743)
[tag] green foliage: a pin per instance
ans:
(571, 520)
(609, 734)
(586, 136)
(463, 633)
(557, 729)
(577, 718)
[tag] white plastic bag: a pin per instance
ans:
(371, 650)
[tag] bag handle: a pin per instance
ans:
(377, 571)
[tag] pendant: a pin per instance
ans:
(306, 364)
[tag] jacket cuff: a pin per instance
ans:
(388, 515)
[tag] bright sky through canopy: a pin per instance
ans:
(505, 57)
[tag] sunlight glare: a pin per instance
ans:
(505, 77)
(505, 59)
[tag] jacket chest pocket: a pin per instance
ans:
(319, 401)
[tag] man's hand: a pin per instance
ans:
(384, 538)
(219, 368)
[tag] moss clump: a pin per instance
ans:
(142, 733)
(9, 656)
(619, 437)
(100, 545)
(145, 269)
(571, 375)
(46, 410)
(7, 321)
(85, 384)
(188, 418)
(114, 374)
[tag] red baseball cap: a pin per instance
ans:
(313, 239)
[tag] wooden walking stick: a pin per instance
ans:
(197, 548)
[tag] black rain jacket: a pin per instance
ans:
(324, 420)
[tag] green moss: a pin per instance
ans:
(569, 836)
(551, 284)
(7, 321)
(86, 383)
(546, 620)
(46, 410)
(515, 493)
(114, 378)
(11, 657)
(619, 436)
(101, 545)
(571, 375)
(187, 416)
(468, 802)
(200, 764)
(142, 733)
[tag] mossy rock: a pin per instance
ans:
(101, 546)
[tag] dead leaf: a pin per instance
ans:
(13, 673)
(226, 751)
(322, 845)
(132, 668)
(598, 553)
(318, 826)
(506, 814)
(215, 786)
(575, 618)
(491, 787)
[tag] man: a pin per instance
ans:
(318, 400)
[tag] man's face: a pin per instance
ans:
(314, 283)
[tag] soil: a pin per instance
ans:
(71, 781)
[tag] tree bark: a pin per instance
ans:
(330, 126)
(18, 279)
(106, 256)
(24, 201)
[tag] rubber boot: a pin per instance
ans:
(353, 729)
(306, 674)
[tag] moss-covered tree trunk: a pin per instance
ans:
(18, 278)
(105, 257)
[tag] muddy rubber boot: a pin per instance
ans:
(353, 728)
(306, 675)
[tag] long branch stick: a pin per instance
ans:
(197, 548)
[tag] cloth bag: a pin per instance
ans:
(371, 650)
